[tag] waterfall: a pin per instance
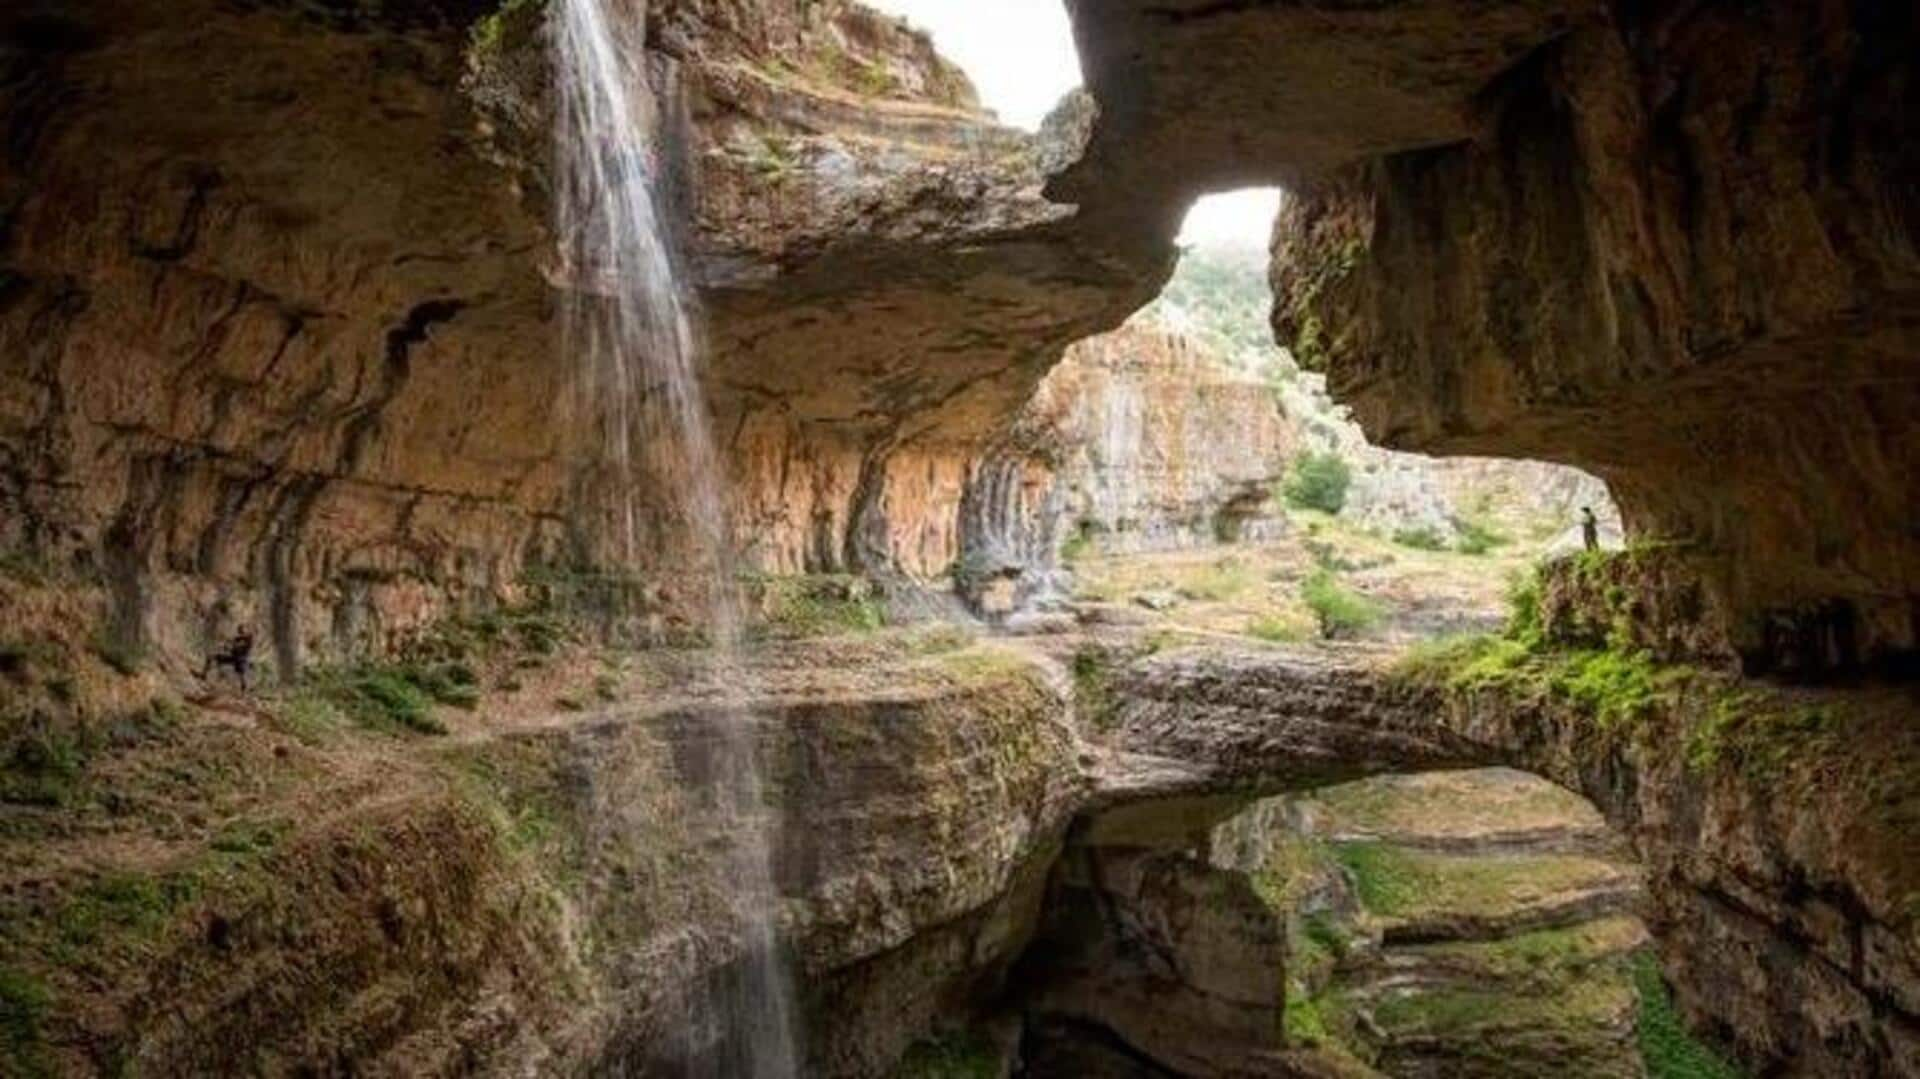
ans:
(630, 330)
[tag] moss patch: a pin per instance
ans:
(1398, 882)
(24, 1003)
(819, 605)
(964, 1055)
(1667, 1048)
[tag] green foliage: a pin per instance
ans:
(29, 568)
(1092, 686)
(1613, 687)
(511, 25)
(1478, 538)
(1339, 611)
(963, 1055)
(1080, 542)
(1276, 630)
(1421, 539)
(24, 1003)
(822, 605)
(1525, 626)
(1303, 1021)
(1385, 878)
(1223, 293)
(384, 696)
(245, 838)
(873, 79)
(44, 765)
(1760, 738)
(1666, 1047)
(606, 687)
(773, 156)
(122, 905)
(1319, 481)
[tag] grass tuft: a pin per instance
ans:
(1339, 611)
(1667, 1048)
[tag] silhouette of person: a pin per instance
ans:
(237, 655)
(1590, 528)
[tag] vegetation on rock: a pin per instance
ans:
(1669, 1049)
(1339, 611)
(1319, 481)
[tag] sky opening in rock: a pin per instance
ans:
(1021, 57)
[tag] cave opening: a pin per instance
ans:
(1459, 922)
(1045, 574)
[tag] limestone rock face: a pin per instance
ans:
(1780, 895)
(245, 314)
(278, 349)
(1160, 444)
(1681, 254)
(549, 897)
(1457, 923)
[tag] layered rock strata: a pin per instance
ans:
(1770, 824)
(270, 363)
(1679, 253)
(1464, 923)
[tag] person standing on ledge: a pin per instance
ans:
(1590, 528)
(237, 655)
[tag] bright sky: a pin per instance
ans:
(1020, 56)
(1019, 53)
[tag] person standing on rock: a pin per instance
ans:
(1590, 528)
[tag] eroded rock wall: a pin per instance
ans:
(1771, 825)
(280, 349)
(1679, 252)
(1159, 443)
(549, 896)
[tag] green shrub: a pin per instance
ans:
(380, 697)
(509, 26)
(45, 764)
(1338, 610)
(384, 696)
(1421, 539)
(606, 687)
(1319, 481)
(1476, 538)
(24, 1003)
(1614, 687)
(1524, 624)
(453, 684)
(1092, 687)
(1667, 1049)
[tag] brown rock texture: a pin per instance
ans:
(1158, 442)
(1772, 826)
(1680, 253)
(546, 896)
(242, 316)
(278, 349)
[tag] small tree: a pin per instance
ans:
(1319, 482)
(1339, 610)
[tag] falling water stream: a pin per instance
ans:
(630, 330)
